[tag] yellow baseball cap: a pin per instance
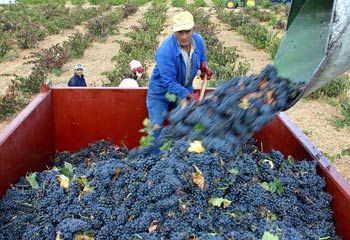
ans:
(183, 21)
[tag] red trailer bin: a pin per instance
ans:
(67, 119)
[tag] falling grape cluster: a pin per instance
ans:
(233, 112)
(101, 192)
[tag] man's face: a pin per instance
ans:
(184, 37)
(79, 71)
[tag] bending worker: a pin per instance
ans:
(178, 60)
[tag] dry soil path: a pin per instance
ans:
(18, 65)
(98, 57)
(257, 58)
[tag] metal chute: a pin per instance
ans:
(316, 46)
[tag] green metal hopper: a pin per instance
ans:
(316, 46)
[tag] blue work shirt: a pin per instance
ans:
(169, 74)
(77, 81)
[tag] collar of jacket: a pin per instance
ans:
(178, 52)
(82, 75)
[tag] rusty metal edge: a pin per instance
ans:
(19, 119)
(208, 89)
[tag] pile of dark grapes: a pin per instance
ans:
(229, 116)
(173, 195)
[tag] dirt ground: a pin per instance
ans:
(314, 118)
(18, 64)
(98, 57)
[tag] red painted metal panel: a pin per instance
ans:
(83, 116)
(276, 135)
(79, 116)
(281, 134)
(28, 142)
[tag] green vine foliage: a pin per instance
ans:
(336, 88)
(142, 45)
(222, 60)
(4, 44)
(178, 3)
(77, 44)
(250, 27)
(27, 24)
(148, 139)
(12, 101)
(28, 34)
(104, 25)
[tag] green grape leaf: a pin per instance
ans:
(198, 127)
(291, 160)
(166, 145)
(218, 202)
(269, 236)
(278, 186)
(233, 171)
(32, 181)
(171, 97)
(265, 186)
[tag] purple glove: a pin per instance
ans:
(205, 70)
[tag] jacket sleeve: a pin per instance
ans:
(71, 82)
(203, 49)
(167, 69)
(84, 82)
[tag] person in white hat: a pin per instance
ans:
(78, 79)
(136, 71)
(178, 60)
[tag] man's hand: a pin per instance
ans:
(205, 70)
(193, 97)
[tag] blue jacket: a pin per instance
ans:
(169, 74)
(77, 81)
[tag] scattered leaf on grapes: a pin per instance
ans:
(58, 236)
(198, 178)
(117, 173)
(83, 237)
(244, 104)
(220, 202)
(193, 237)
(269, 236)
(63, 180)
(233, 171)
(32, 180)
(166, 145)
(198, 127)
(153, 226)
(171, 97)
(196, 146)
(265, 186)
(171, 214)
(269, 161)
(183, 205)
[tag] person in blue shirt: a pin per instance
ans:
(178, 60)
(78, 79)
